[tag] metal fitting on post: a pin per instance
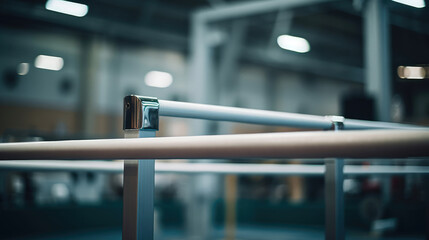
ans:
(141, 113)
(337, 122)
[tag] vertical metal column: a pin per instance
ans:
(198, 203)
(334, 195)
(231, 182)
(377, 56)
(141, 119)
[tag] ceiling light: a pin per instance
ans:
(408, 72)
(293, 43)
(412, 3)
(158, 79)
(23, 69)
(49, 62)
(66, 7)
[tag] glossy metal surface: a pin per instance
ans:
(141, 113)
(263, 117)
(209, 168)
(337, 122)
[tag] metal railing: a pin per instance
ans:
(141, 119)
(294, 169)
(263, 117)
(314, 144)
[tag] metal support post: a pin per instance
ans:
(377, 56)
(140, 120)
(197, 203)
(231, 182)
(334, 195)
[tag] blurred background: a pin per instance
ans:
(66, 66)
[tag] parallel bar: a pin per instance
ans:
(239, 169)
(384, 170)
(209, 168)
(352, 124)
(345, 144)
(233, 114)
(253, 116)
(63, 166)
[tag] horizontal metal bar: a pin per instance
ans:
(345, 144)
(208, 168)
(353, 170)
(353, 124)
(253, 116)
(62, 165)
(233, 114)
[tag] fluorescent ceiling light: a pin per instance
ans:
(293, 43)
(49, 62)
(23, 69)
(158, 79)
(412, 3)
(66, 7)
(407, 72)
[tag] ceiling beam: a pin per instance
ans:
(246, 9)
(98, 26)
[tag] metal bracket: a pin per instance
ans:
(141, 113)
(337, 122)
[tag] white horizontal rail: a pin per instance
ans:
(344, 144)
(62, 165)
(253, 116)
(208, 168)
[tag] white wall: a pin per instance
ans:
(134, 64)
(39, 87)
(292, 92)
(310, 95)
(121, 71)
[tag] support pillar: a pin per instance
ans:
(334, 193)
(377, 57)
(199, 201)
(141, 119)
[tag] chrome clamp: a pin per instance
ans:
(141, 113)
(337, 122)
